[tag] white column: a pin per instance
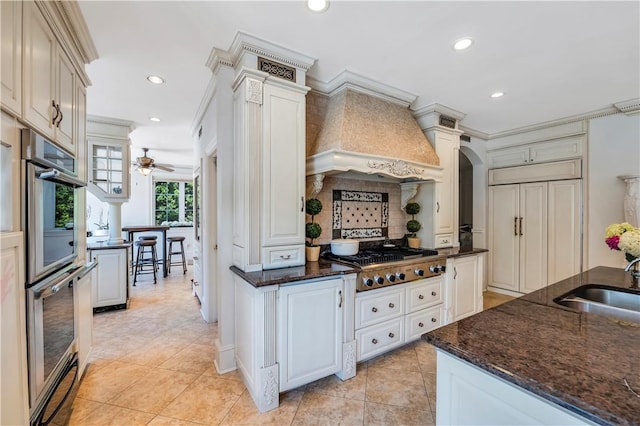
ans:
(115, 223)
(631, 203)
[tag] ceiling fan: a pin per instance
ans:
(147, 164)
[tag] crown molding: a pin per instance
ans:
(474, 133)
(244, 42)
(218, 58)
(78, 26)
(428, 116)
(111, 128)
(359, 83)
(630, 107)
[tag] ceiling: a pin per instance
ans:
(551, 59)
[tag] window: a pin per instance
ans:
(173, 202)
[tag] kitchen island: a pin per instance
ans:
(531, 359)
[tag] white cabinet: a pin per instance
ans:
(445, 203)
(518, 236)
(464, 282)
(269, 182)
(10, 155)
(109, 168)
(49, 81)
(467, 395)
(110, 279)
(540, 152)
(14, 399)
(534, 234)
(11, 57)
(390, 317)
(84, 320)
(310, 325)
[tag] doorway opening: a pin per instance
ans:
(465, 202)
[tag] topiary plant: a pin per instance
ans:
(413, 225)
(313, 206)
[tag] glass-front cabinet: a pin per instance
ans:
(109, 169)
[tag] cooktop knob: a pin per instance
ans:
(434, 268)
(367, 281)
(400, 275)
(391, 277)
(419, 272)
(378, 279)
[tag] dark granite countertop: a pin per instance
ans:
(457, 252)
(310, 270)
(579, 361)
(105, 246)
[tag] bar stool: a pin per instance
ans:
(141, 260)
(150, 237)
(170, 253)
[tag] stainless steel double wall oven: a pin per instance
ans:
(50, 218)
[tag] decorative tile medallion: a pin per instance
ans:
(360, 214)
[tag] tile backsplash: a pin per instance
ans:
(360, 209)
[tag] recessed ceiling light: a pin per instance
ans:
(463, 43)
(155, 79)
(497, 94)
(318, 5)
(156, 119)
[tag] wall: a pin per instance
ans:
(613, 150)
(397, 218)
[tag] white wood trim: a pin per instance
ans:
(559, 170)
(537, 134)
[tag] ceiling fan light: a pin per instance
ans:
(145, 171)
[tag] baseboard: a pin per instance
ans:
(225, 361)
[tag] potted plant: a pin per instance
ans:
(313, 206)
(413, 225)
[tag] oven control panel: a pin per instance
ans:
(384, 276)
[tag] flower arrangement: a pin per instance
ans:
(624, 237)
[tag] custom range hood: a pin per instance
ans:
(359, 128)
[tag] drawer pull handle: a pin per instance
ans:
(433, 293)
(374, 309)
(420, 297)
(391, 305)
(391, 335)
(434, 320)
(374, 341)
(287, 257)
(420, 324)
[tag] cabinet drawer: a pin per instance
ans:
(283, 256)
(372, 341)
(381, 306)
(424, 294)
(418, 323)
(443, 240)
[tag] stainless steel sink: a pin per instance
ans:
(602, 300)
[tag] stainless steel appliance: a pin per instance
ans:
(382, 267)
(50, 206)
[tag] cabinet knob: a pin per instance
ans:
(391, 335)
(420, 297)
(374, 341)
(434, 320)
(420, 324)
(391, 305)
(433, 293)
(374, 309)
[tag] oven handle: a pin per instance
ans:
(47, 289)
(55, 175)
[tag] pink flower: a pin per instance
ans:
(612, 242)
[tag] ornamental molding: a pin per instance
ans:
(218, 58)
(396, 167)
(407, 192)
(244, 42)
(270, 388)
(429, 116)
(371, 167)
(629, 107)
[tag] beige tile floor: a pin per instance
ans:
(153, 365)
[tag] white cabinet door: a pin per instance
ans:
(515, 156)
(310, 326)
(283, 167)
(13, 348)
(84, 321)
(40, 49)
(532, 233)
(65, 98)
(466, 287)
(11, 58)
(504, 243)
(109, 278)
(564, 236)
(556, 150)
